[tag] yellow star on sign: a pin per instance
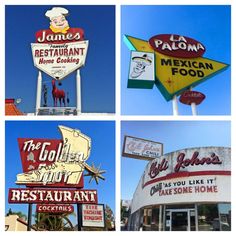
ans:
(183, 72)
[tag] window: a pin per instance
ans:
(225, 216)
(147, 214)
(155, 219)
(208, 218)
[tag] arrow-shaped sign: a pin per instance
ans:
(174, 75)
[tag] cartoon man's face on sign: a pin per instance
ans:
(58, 22)
(140, 64)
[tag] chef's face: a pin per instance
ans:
(59, 22)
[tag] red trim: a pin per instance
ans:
(9, 100)
(187, 174)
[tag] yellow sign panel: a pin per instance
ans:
(174, 75)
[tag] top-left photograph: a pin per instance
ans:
(59, 60)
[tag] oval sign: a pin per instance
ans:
(48, 37)
(177, 46)
(189, 97)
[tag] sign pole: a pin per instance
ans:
(175, 106)
(39, 90)
(29, 217)
(79, 216)
(194, 107)
(78, 91)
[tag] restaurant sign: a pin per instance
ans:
(189, 97)
(179, 64)
(177, 46)
(55, 196)
(59, 50)
(186, 176)
(59, 60)
(141, 148)
(93, 215)
(185, 162)
(57, 162)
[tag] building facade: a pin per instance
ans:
(15, 223)
(185, 190)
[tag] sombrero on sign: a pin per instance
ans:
(144, 59)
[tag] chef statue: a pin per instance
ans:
(58, 22)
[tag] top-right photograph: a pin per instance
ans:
(175, 60)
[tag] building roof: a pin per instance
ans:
(25, 223)
(11, 109)
(15, 223)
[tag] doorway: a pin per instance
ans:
(180, 220)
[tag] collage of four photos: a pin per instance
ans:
(72, 127)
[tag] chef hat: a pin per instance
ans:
(55, 12)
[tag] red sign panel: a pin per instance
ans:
(49, 37)
(189, 97)
(52, 208)
(51, 196)
(177, 46)
(38, 153)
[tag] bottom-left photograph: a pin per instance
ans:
(59, 175)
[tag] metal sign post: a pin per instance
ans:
(79, 216)
(78, 91)
(175, 106)
(39, 90)
(29, 217)
(194, 109)
(193, 106)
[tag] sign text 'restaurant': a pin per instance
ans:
(18, 195)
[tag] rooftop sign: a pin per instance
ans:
(141, 148)
(190, 175)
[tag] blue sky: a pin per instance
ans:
(208, 24)
(98, 74)
(174, 135)
(102, 134)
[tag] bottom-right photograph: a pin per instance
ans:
(175, 176)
